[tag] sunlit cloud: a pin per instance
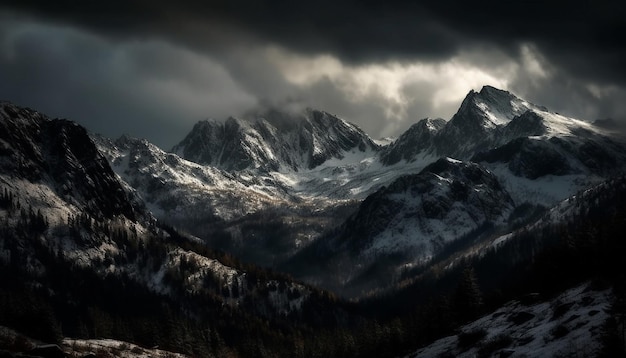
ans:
(389, 83)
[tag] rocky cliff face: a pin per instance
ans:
(273, 141)
(59, 153)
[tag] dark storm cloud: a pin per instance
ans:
(350, 29)
(585, 37)
(111, 88)
(574, 97)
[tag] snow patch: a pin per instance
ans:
(568, 325)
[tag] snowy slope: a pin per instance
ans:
(567, 210)
(418, 215)
(112, 347)
(80, 347)
(569, 325)
(176, 187)
(405, 224)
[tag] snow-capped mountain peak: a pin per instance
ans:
(480, 115)
(495, 107)
(273, 141)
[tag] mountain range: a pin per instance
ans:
(267, 187)
(310, 197)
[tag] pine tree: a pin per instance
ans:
(5, 202)
(467, 300)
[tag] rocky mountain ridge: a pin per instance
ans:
(273, 141)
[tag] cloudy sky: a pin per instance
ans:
(153, 68)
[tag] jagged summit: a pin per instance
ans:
(479, 124)
(485, 120)
(273, 141)
(494, 106)
(416, 139)
(489, 107)
(479, 116)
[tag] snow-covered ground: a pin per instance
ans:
(355, 176)
(113, 348)
(546, 191)
(73, 348)
(569, 325)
